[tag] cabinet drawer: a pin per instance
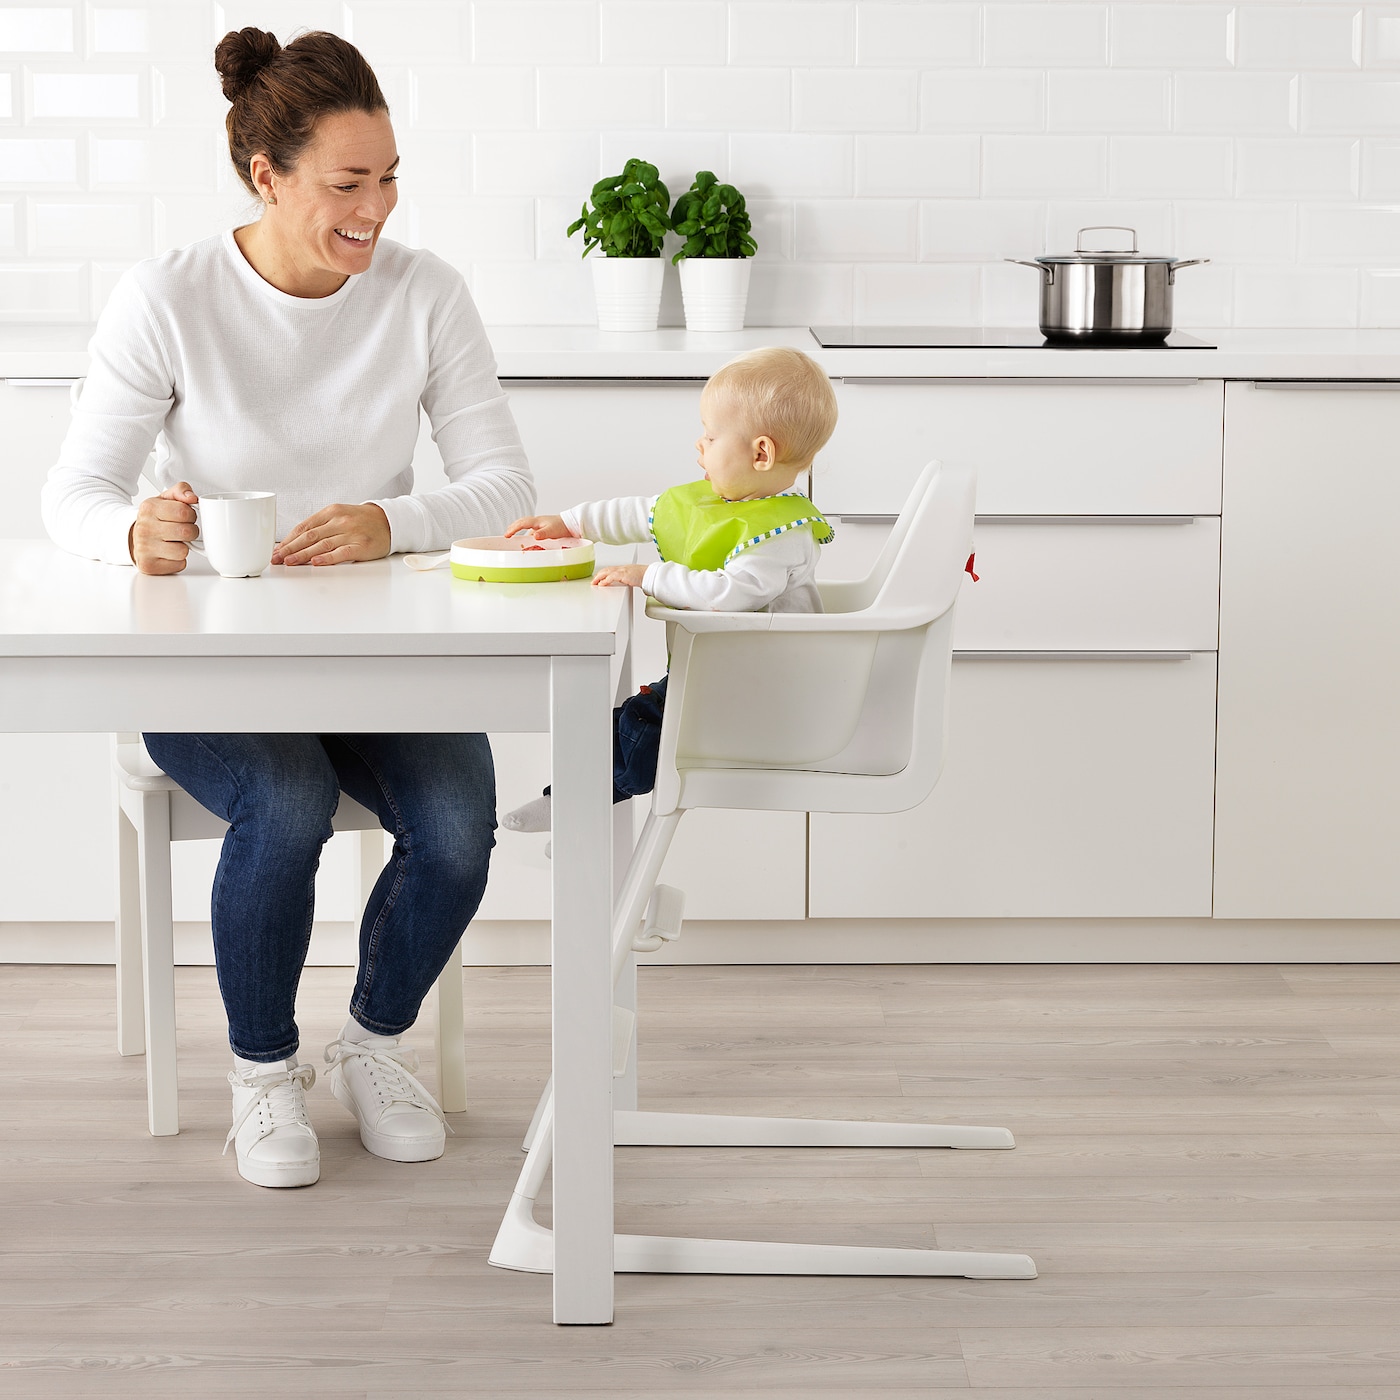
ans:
(591, 439)
(1074, 584)
(1073, 789)
(1038, 447)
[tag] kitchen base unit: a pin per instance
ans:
(1308, 790)
(1074, 788)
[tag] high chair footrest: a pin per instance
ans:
(632, 1128)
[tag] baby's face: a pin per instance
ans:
(726, 454)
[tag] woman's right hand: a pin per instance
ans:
(159, 539)
(543, 527)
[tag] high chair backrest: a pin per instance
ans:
(858, 594)
(836, 711)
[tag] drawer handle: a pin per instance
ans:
(583, 381)
(41, 383)
(1016, 379)
(1353, 384)
(1084, 519)
(874, 519)
(1072, 655)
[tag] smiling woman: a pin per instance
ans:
(294, 355)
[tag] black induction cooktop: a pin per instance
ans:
(975, 338)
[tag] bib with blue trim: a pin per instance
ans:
(695, 527)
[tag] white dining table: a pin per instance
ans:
(373, 647)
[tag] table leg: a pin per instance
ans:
(581, 753)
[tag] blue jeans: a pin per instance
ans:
(435, 793)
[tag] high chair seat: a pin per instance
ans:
(152, 812)
(840, 711)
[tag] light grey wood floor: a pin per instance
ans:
(1206, 1174)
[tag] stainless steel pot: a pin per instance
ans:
(1105, 298)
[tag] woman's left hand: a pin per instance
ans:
(336, 535)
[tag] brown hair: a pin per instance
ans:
(280, 93)
(783, 394)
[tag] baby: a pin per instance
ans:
(742, 540)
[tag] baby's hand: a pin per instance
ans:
(620, 576)
(542, 527)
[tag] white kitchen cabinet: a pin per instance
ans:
(55, 827)
(1040, 447)
(55, 789)
(1308, 790)
(1073, 789)
(34, 415)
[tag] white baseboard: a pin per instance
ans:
(525, 942)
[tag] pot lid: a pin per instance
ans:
(1082, 254)
(1128, 258)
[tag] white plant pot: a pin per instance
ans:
(715, 291)
(628, 292)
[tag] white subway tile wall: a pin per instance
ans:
(893, 151)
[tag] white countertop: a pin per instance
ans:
(581, 352)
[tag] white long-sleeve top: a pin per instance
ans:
(242, 387)
(778, 575)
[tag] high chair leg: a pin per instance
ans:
(638, 883)
(522, 1243)
(628, 907)
(632, 1129)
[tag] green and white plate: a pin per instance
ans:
(521, 559)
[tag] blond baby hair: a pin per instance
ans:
(783, 394)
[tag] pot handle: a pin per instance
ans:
(1190, 262)
(1101, 228)
(1047, 268)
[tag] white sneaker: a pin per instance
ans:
(399, 1119)
(275, 1143)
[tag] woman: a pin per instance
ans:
(292, 355)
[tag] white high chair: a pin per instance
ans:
(152, 811)
(853, 718)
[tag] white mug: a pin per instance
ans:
(237, 530)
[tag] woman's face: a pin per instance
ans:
(330, 210)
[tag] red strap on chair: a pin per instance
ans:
(968, 566)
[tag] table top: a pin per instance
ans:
(55, 604)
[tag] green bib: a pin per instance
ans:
(693, 526)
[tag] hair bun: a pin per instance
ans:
(241, 55)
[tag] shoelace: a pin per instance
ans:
(286, 1108)
(391, 1071)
